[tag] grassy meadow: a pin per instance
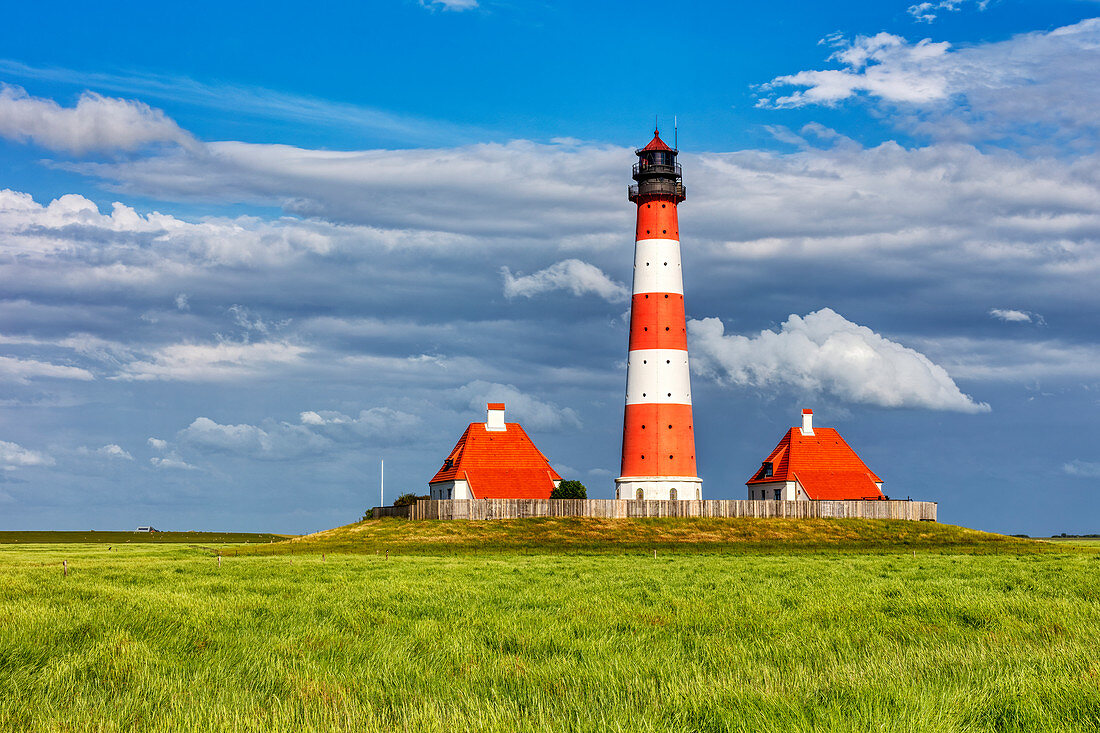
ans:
(985, 634)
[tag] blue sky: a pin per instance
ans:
(245, 253)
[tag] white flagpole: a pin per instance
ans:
(382, 482)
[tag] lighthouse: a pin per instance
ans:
(658, 432)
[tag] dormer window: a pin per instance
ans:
(766, 470)
(449, 463)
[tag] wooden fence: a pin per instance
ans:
(404, 511)
(480, 509)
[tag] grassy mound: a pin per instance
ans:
(619, 536)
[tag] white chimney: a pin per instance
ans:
(807, 422)
(494, 419)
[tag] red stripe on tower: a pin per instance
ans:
(658, 434)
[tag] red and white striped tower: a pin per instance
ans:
(658, 434)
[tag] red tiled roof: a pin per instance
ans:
(825, 466)
(499, 464)
(656, 143)
(839, 485)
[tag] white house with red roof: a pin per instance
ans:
(814, 463)
(494, 460)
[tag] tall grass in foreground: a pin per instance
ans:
(161, 638)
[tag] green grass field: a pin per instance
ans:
(843, 635)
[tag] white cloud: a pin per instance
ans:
(1015, 316)
(378, 424)
(172, 461)
(22, 370)
(158, 444)
(1013, 360)
(1084, 469)
(13, 455)
(926, 12)
(222, 361)
(883, 65)
(256, 102)
(110, 451)
(96, 123)
(824, 353)
(522, 186)
(280, 441)
(456, 5)
(319, 432)
(181, 302)
(531, 412)
(1037, 86)
(580, 278)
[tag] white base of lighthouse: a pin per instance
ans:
(664, 488)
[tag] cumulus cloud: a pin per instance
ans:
(279, 442)
(1083, 469)
(1009, 315)
(317, 432)
(13, 455)
(172, 461)
(110, 451)
(579, 278)
(96, 123)
(531, 412)
(378, 424)
(1038, 86)
(824, 353)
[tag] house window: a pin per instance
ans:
(672, 494)
(778, 494)
(767, 469)
(641, 494)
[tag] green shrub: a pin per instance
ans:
(569, 490)
(409, 498)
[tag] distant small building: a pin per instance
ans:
(494, 460)
(150, 530)
(814, 463)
